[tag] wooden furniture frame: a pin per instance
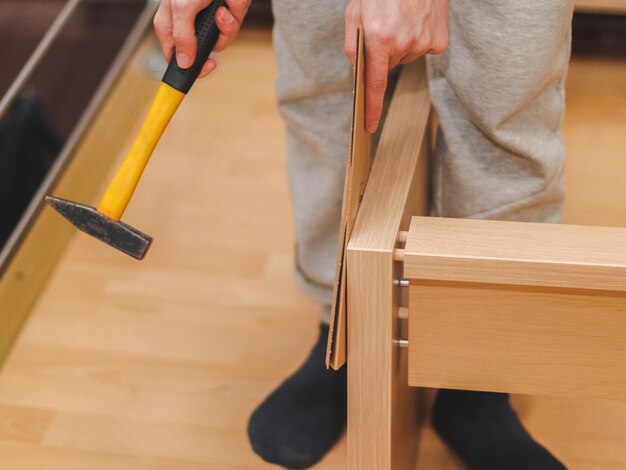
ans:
(497, 306)
(382, 410)
(517, 307)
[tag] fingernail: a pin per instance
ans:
(226, 16)
(183, 60)
(373, 127)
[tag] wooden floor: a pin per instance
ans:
(157, 364)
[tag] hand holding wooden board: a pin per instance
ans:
(357, 171)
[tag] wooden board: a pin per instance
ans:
(43, 237)
(517, 307)
(601, 6)
(357, 172)
(383, 421)
(517, 340)
(519, 253)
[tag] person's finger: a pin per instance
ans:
(376, 70)
(440, 32)
(228, 25)
(229, 29)
(163, 28)
(352, 22)
(208, 67)
(407, 59)
(183, 29)
(238, 8)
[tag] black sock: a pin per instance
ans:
(484, 431)
(301, 420)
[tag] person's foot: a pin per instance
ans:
(484, 431)
(300, 421)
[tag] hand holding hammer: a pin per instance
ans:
(104, 221)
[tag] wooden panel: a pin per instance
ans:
(382, 409)
(518, 340)
(357, 172)
(28, 268)
(601, 6)
(520, 253)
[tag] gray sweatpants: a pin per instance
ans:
(499, 94)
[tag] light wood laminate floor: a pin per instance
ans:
(157, 364)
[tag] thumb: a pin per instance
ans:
(352, 21)
(184, 31)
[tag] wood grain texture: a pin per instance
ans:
(601, 6)
(593, 129)
(519, 253)
(43, 242)
(357, 172)
(382, 411)
(483, 337)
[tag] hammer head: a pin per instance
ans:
(112, 232)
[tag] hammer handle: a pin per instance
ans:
(122, 187)
(207, 34)
(175, 84)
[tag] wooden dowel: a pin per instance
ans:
(398, 254)
(403, 313)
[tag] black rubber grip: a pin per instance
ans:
(206, 34)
